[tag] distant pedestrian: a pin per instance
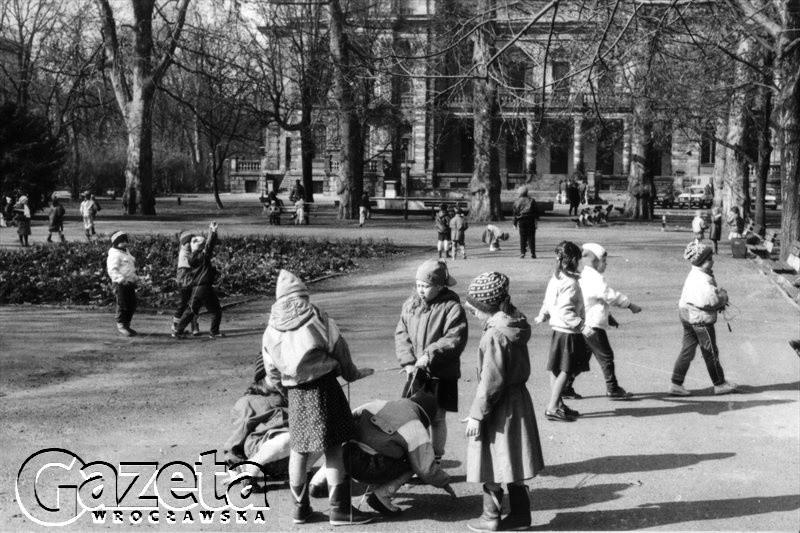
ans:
(88, 212)
(598, 296)
(298, 192)
(274, 213)
(492, 236)
(715, 233)
(699, 304)
(736, 223)
(56, 220)
(442, 222)
(364, 209)
(699, 226)
(121, 267)
(203, 276)
(525, 216)
(573, 197)
(184, 280)
(300, 212)
(563, 307)
(503, 445)
(458, 228)
(22, 216)
(6, 210)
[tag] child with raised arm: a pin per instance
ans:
(203, 275)
(503, 444)
(184, 280)
(431, 334)
(305, 346)
(700, 302)
(563, 307)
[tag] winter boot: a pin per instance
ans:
(342, 513)
(123, 330)
(130, 329)
(302, 506)
(520, 504)
(490, 518)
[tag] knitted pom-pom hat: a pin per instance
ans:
(488, 291)
(697, 253)
(289, 284)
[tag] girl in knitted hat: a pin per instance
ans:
(700, 301)
(432, 334)
(304, 348)
(503, 444)
(563, 307)
(22, 214)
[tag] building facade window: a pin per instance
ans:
(708, 150)
(560, 72)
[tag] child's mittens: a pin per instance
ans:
(363, 372)
(613, 321)
(540, 319)
(634, 309)
(473, 428)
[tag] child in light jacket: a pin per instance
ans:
(184, 281)
(598, 296)
(700, 302)
(458, 227)
(442, 222)
(699, 225)
(563, 307)
(121, 268)
(431, 334)
(503, 444)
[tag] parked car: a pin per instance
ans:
(770, 199)
(665, 199)
(696, 196)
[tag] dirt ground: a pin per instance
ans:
(657, 462)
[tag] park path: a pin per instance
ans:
(697, 463)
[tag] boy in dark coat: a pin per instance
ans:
(203, 274)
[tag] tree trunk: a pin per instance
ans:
(139, 163)
(75, 178)
(307, 151)
(640, 137)
(720, 132)
(764, 140)
(485, 183)
(735, 192)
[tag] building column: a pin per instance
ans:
(626, 145)
(577, 142)
(530, 148)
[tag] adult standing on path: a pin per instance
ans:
(525, 216)
(298, 192)
(56, 219)
(573, 197)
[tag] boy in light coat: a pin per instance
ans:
(597, 298)
(121, 268)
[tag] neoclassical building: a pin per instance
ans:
(551, 125)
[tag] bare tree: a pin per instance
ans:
(135, 83)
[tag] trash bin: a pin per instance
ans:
(739, 248)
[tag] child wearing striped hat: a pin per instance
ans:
(121, 268)
(503, 444)
(700, 301)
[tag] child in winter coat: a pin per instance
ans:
(202, 277)
(274, 212)
(121, 268)
(431, 334)
(88, 212)
(56, 220)
(458, 226)
(184, 281)
(699, 226)
(563, 306)
(503, 436)
(305, 346)
(22, 215)
(442, 231)
(492, 236)
(736, 223)
(716, 228)
(700, 301)
(300, 212)
(597, 297)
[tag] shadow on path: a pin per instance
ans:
(683, 406)
(664, 513)
(621, 464)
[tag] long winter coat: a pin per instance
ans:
(440, 329)
(508, 448)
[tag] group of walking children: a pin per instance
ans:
(451, 226)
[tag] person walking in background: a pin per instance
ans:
(525, 216)
(363, 209)
(431, 335)
(442, 222)
(306, 349)
(458, 227)
(22, 215)
(563, 307)
(699, 226)
(597, 298)
(698, 306)
(492, 236)
(573, 197)
(503, 445)
(121, 267)
(88, 212)
(274, 212)
(298, 192)
(715, 233)
(300, 212)
(203, 275)
(56, 220)
(736, 223)
(184, 280)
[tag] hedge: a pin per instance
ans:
(75, 273)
